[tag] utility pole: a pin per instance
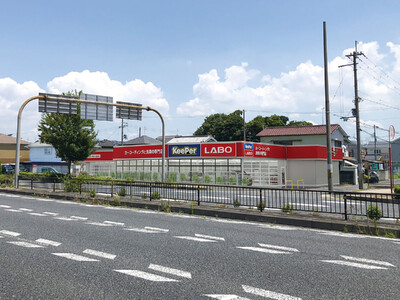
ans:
(122, 131)
(354, 57)
(327, 116)
(244, 126)
(375, 142)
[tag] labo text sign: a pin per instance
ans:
(218, 149)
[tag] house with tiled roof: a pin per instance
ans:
(303, 135)
(8, 145)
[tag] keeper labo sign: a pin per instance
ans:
(220, 149)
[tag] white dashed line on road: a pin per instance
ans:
(38, 214)
(5, 206)
(26, 209)
(267, 294)
(78, 218)
(100, 254)
(114, 223)
(11, 233)
(75, 257)
(157, 229)
(368, 261)
(210, 237)
(50, 213)
(146, 276)
(48, 242)
(196, 239)
(25, 244)
(170, 271)
(278, 247)
(264, 250)
(13, 210)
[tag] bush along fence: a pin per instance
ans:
(346, 204)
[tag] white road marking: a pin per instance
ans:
(278, 247)
(171, 271)
(353, 264)
(75, 257)
(143, 230)
(38, 214)
(196, 239)
(48, 242)
(268, 294)
(264, 250)
(100, 254)
(146, 276)
(13, 210)
(50, 213)
(114, 223)
(348, 235)
(78, 218)
(12, 233)
(5, 206)
(370, 261)
(26, 209)
(225, 297)
(156, 229)
(44, 200)
(25, 244)
(98, 224)
(210, 237)
(65, 219)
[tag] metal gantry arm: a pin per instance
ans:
(17, 152)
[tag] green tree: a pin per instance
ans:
(73, 138)
(254, 127)
(223, 127)
(299, 123)
(276, 120)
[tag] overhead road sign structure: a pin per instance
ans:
(52, 103)
(131, 113)
(98, 111)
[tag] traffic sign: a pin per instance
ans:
(51, 103)
(98, 111)
(132, 113)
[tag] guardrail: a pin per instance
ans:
(313, 201)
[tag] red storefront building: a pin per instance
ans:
(219, 163)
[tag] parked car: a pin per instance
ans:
(7, 169)
(374, 177)
(50, 170)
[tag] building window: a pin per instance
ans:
(47, 151)
(338, 144)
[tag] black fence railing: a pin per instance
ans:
(313, 201)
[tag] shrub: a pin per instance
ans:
(261, 206)
(236, 203)
(155, 176)
(116, 201)
(122, 192)
(6, 179)
(165, 206)
(232, 180)
(182, 177)
(144, 196)
(397, 191)
(155, 196)
(71, 185)
(287, 208)
(195, 178)
(92, 193)
(207, 179)
(373, 212)
(245, 181)
(219, 179)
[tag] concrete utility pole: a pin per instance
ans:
(244, 126)
(354, 57)
(327, 116)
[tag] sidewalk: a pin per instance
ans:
(302, 219)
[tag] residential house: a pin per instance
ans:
(8, 146)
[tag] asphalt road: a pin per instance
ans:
(53, 249)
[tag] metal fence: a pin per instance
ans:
(313, 201)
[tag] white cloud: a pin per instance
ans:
(13, 94)
(302, 89)
(100, 83)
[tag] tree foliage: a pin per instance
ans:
(223, 127)
(230, 127)
(73, 138)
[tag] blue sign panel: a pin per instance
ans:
(183, 150)
(248, 146)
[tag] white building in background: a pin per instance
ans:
(44, 156)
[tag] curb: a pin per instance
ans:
(273, 217)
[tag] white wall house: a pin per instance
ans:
(44, 156)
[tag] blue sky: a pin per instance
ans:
(193, 58)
